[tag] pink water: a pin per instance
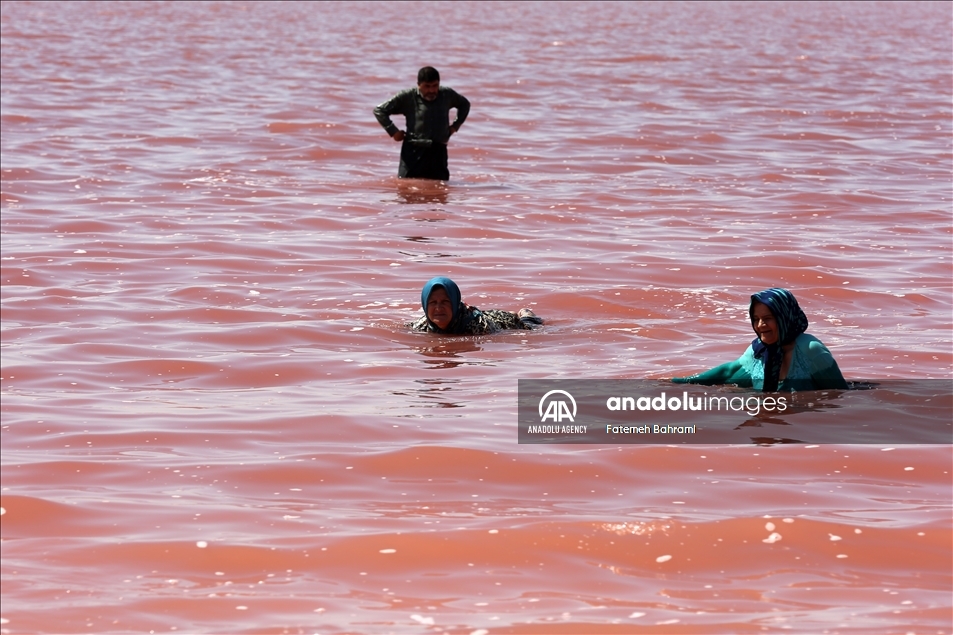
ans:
(215, 420)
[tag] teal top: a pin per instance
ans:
(812, 368)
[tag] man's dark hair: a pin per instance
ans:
(427, 74)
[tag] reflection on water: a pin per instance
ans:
(437, 391)
(773, 440)
(424, 255)
(448, 352)
(422, 192)
(434, 393)
(758, 422)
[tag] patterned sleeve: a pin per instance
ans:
(504, 319)
(420, 325)
(481, 323)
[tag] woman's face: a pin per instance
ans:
(439, 308)
(764, 324)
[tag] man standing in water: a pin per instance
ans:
(423, 154)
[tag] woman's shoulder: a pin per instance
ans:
(811, 355)
(421, 324)
(807, 343)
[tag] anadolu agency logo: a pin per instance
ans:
(554, 406)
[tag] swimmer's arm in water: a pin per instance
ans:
(728, 373)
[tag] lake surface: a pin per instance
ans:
(215, 419)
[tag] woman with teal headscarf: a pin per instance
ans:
(783, 357)
(446, 313)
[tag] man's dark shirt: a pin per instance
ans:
(425, 119)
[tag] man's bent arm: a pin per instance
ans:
(393, 106)
(462, 104)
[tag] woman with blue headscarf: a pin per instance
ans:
(446, 313)
(782, 357)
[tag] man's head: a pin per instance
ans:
(428, 82)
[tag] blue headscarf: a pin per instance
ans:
(791, 322)
(453, 292)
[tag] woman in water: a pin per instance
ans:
(447, 314)
(782, 357)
